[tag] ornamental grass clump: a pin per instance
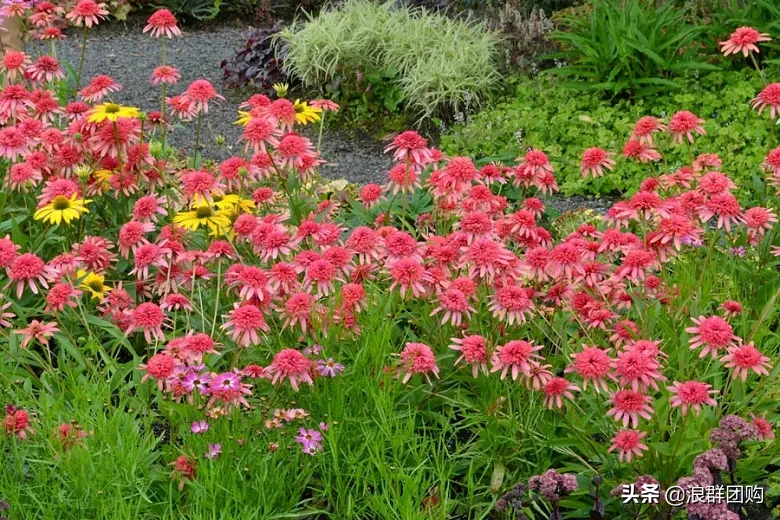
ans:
(439, 63)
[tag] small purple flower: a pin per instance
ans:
(691, 241)
(314, 350)
(199, 427)
(214, 451)
(329, 368)
(310, 440)
(226, 381)
(738, 251)
(197, 380)
(324, 426)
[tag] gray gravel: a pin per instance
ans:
(123, 52)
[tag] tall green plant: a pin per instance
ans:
(629, 47)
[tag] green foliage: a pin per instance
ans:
(720, 18)
(431, 64)
(198, 9)
(564, 123)
(629, 47)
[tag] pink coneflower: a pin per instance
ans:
(181, 106)
(37, 330)
(772, 163)
(159, 367)
(252, 283)
(260, 132)
(162, 23)
(175, 302)
(533, 164)
(759, 220)
(644, 153)
(764, 428)
(200, 92)
(769, 97)
(409, 275)
(629, 406)
(743, 40)
(725, 206)
(595, 161)
(326, 105)
(8, 252)
(51, 33)
(148, 207)
(149, 318)
(13, 143)
(638, 369)
(555, 389)
(486, 258)
(17, 423)
(410, 146)
(61, 295)
(713, 333)
(511, 304)
(166, 75)
(676, 229)
(746, 357)
(684, 124)
(402, 179)
(593, 365)
(244, 322)
(21, 176)
(131, 237)
(370, 194)
(628, 443)
(297, 310)
(87, 12)
(418, 358)
(294, 150)
(731, 308)
(45, 70)
(453, 303)
(691, 394)
(291, 365)
(473, 350)
(518, 356)
(644, 129)
(100, 86)
(14, 64)
(28, 269)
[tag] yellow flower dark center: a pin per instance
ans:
(96, 285)
(204, 212)
(112, 108)
(60, 203)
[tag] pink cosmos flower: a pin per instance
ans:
(87, 12)
(162, 23)
(473, 350)
(37, 330)
(743, 40)
(595, 161)
(628, 443)
(555, 389)
(418, 358)
(746, 357)
(691, 394)
(199, 427)
(291, 365)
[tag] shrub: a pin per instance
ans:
(257, 63)
(435, 62)
(563, 123)
(629, 47)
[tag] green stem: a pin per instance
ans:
(197, 141)
(322, 125)
(81, 61)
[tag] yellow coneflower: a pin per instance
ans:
(233, 202)
(280, 89)
(305, 114)
(111, 112)
(243, 118)
(94, 284)
(62, 208)
(217, 221)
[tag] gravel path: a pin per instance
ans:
(123, 52)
